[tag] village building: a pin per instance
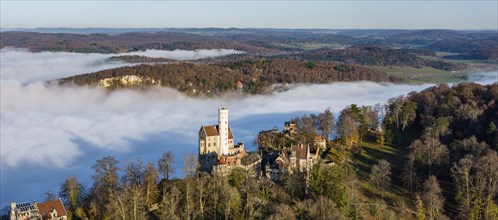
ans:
(23, 210)
(239, 85)
(52, 210)
(42, 211)
(217, 151)
(294, 158)
(297, 158)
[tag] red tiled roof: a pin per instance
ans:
(46, 207)
(318, 138)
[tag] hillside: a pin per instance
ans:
(257, 41)
(383, 56)
(450, 135)
(257, 76)
(104, 43)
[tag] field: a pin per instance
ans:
(424, 74)
(415, 75)
(370, 154)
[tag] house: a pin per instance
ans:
(250, 162)
(239, 85)
(296, 158)
(52, 210)
(23, 210)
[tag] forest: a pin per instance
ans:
(258, 76)
(474, 45)
(383, 56)
(442, 163)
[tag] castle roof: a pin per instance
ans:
(46, 208)
(319, 138)
(239, 84)
(300, 151)
(213, 130)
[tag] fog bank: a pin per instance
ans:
(50, 132)
(27, 67)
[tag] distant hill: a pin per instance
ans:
(256, 76)
(475, 45)
(374, 55)
(103, 43)
(483, 49)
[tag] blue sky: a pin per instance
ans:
(256, 14)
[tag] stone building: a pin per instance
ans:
(42, 211)
(217, 151)
(52, 210)
(296, 158)
(23, 210)
(218, 138)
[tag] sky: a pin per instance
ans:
(252, 14)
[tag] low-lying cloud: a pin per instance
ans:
(185, 54)
(26, 67)
(49, 132)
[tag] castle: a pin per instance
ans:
(217, 151)
(219, 154)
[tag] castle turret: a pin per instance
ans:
(223, 130)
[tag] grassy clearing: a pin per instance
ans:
(415, 75)
(424, 74)
(370, 154)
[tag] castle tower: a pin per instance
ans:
(223, 130)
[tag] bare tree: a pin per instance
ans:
(395, 106)
(371, 116)
(283, 212)
(50, 196)
(105, 185)
(433, 199)
(410, 175)
(190, 168)
(151, 177)
(132, 201)
(326, 123)
(134, 173)
(419, 209)
(324, 208)
(169, 204)
(306, 130)
(430, 151)
(72, 192)
(462, 176)
(381, 175)
(165, 164)
(486, 184)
